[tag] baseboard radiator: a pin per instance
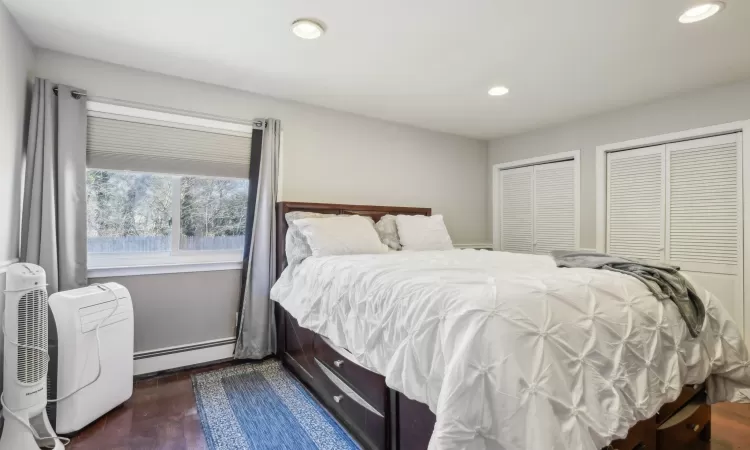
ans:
(169, 358)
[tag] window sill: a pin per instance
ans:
(161, 268)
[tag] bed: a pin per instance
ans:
(384, 358)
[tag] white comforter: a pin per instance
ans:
(511, 352)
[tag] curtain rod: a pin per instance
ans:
(73, 93)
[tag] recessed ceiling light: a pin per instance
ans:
(308, 29)
(498, 91)
(701, 12)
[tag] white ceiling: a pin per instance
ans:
(426, 63)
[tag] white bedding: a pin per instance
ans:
(511, 352)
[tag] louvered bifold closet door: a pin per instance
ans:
(635, 203)
(704, 213)
(516, 210)
(555, 211)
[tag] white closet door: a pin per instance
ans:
(516, 210)
(635, 203)
(555, 207)
(704, 214)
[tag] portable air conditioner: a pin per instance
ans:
(24, 394)
(88, 377)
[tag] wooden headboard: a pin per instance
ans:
(376, 212)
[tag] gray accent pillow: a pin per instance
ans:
(296, 245)
(388, 231)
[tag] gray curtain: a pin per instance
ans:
(54, 205)
(256, 336)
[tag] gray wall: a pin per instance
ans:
(181, 308)
(709, 106)
(16, 61)
(328, 156)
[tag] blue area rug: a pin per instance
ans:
(262, 406)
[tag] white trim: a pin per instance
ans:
(184, 347)
(574, 155)
(182, 359)
(695, 133)
(176, 213)
(99, 260)
(601, 199)
(480, 245)
(157, 269)
(745, 230)
(495, 219)
(143, 259)
(555, 157)
(5, 264)
(108, 110)
(685, 135)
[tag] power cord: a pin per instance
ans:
(65, 441)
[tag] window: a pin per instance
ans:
(164, 189)
(212, 213)
(130, 212)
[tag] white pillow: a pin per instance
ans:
(342, 235)
(296, 244)
(423, 233)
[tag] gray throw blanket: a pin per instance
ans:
(664, 281)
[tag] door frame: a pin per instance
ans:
(573, 155)
(743, 127)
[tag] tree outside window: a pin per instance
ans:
(129, 212)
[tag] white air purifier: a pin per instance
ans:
(92, 354)
(24, 394)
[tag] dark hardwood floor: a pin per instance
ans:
(162, 415)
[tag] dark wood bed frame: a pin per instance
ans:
(384, 419)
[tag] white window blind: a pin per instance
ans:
(516, 213)
(635, 203)
(169, 143)
(555, 212)
(704, 204)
